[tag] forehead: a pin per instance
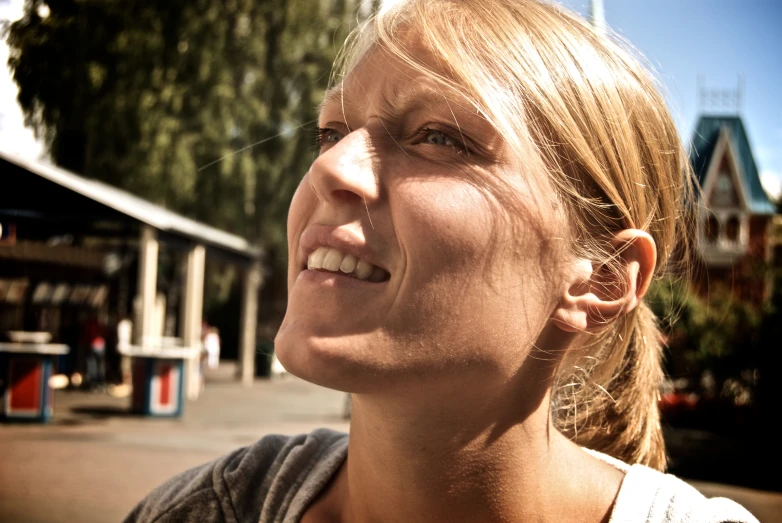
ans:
(384, 81)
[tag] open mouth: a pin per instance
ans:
(328, 259)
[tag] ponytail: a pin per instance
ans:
(611, 405)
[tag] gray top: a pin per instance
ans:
(276, 478)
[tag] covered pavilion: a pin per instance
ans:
(56, 223)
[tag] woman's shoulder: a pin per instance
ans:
(276, 475)
(651, 496)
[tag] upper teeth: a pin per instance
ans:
(334, 260)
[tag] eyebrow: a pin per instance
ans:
(331, 96)
(420, 96)
(401, 100)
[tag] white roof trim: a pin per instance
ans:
(722, 147)
(133, 206)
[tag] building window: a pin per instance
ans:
(724, 193)
(732, 228)
(712, 231)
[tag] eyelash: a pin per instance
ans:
(318, 137)
(458, 145)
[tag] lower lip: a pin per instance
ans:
(336, 280)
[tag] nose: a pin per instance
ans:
(345, 171)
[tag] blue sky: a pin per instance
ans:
(719, 39)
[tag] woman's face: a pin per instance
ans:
(405, 267)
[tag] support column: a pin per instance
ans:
(193, 307)
(147, 284)
(249, 322)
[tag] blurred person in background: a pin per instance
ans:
(211, 341)
(94, 341)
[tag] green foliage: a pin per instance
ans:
(720, 333)
(155, 96)
(710, 329)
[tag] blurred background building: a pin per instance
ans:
(736, 234)
(77, 252)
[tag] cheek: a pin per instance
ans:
(444, 233)
(299, 212)
(443, 225)
(302, 200)
(471, 278)
(451, 228)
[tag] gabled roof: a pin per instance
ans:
(704, 140)
(134, 207)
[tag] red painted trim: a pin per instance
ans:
(25, 384)
(165, 385)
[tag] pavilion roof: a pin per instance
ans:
(129, 205)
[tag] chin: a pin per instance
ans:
(335, 362)
(339, 352)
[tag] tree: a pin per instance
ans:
(157, 96)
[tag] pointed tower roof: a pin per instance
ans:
(707, 133)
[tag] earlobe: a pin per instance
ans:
(595, 295)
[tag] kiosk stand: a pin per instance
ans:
(158, 379)
(25, 369)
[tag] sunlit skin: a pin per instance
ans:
(451, 359)
(394, 179)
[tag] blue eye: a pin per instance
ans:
(434, 137)
(442, 139)
(327, 135)
(333, 136)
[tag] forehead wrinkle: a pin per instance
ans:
(337, 96)
(388, 131)
(331, 96)
(421, 93)
(395, 100)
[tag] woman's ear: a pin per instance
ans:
(597, 294)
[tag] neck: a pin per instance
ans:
(464, 461)
(429, 466)
(481, 448)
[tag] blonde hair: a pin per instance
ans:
(580, 108)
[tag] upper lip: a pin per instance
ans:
(342, 238)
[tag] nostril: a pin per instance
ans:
(344, 195)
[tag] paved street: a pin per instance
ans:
(93, 462)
